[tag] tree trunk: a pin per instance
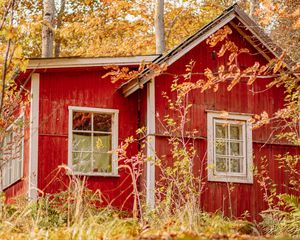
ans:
(58, 25)
(47, 30)
(159, 27)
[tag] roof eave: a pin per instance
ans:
(49, 63)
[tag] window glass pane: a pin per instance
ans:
(19, 150)
(221, 147)
(7, 146)
(236, 149)
(82, 121)
(236, 132)
(19, 173)
(82, 142)
(81, 162)
(236, 165)
(102, 122)
(102, 142)
(13, 170)
(5, 174)
(9, 175)
(221, 165)
(221, 131)
(102, 162)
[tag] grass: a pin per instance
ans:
(46, 219)
(75, 214)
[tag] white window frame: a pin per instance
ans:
(246, 176)
(5, 166)
(115, 129)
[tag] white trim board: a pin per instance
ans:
(114, 133)
(34, 137)
(88, 62)
(247, 175)
(150, 172)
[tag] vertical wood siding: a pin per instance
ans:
(242, 99)
(86, 88)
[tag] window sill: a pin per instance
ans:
(93, 174)
(230, 179)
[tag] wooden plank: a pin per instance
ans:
(34, 137)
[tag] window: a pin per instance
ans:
(12, 153)
(229, 148)
(93, 136)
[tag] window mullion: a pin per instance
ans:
(11, 157)
(113, 136)
(244, 137)
(214, 145)
(70, 150)
(92, 147)
(229, 148)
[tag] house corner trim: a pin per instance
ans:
(34, 137)
(150, 179)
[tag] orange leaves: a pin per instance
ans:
(279, 63)
(235, 81)
(211, 79)
(233, 49)
(157, 68)
(251, 80)
(228, 46)
(260, 120)
(297, 24)
(219, 36)
(88, 2)
(123, 73)
(231, 58)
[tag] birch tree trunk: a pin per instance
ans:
(47, 30)
(159, 27)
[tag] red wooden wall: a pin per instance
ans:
(60, 88)
(242, 99)
(80, 87)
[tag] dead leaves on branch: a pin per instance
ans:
(122, 74)
(126, 74)
(219, 36)
(229, 72)
(260, 120)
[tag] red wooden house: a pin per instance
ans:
(72, 107)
